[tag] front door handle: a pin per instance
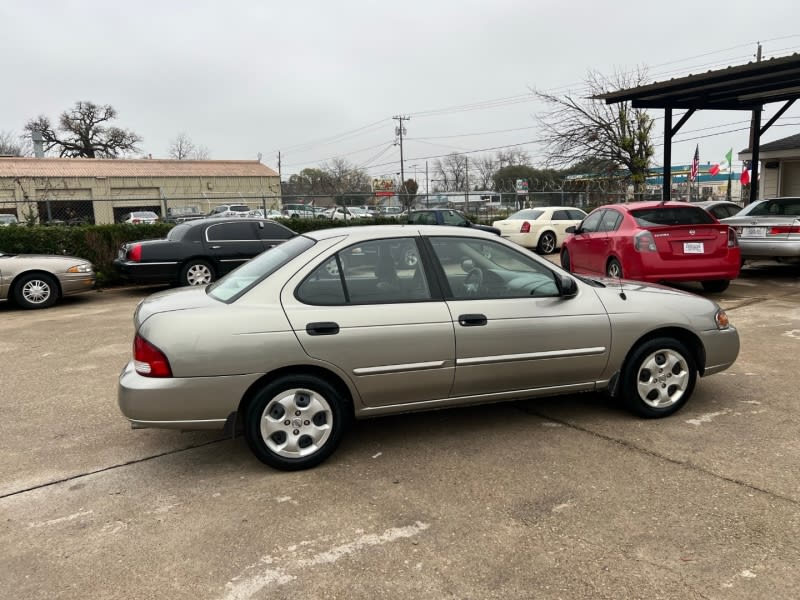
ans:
(475, 320)
(322, 328)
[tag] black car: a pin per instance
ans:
(198, 252)
(446, 216)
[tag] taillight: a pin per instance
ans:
(644, 242)
(526, 227)
(732, 242)
(784, 229)
(135, 253)
(149, 360)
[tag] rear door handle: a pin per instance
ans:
(475, 320)
(322, 328)
(216, 247)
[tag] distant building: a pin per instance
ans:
(101, 190)
(779, 167)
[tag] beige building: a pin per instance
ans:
(779, 167)
(102, 190)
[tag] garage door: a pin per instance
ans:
(790, 179)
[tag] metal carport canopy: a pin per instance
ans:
(746, 87)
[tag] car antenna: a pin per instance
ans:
(621, 289)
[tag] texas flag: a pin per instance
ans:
(724, 165)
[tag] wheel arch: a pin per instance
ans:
(686, 337)
(331, 377)
(53, 276)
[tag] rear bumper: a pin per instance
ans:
(180, 402)
(766, 248)
(651, 268)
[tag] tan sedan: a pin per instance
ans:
(39, 280)
(337, 324)
(543, 229)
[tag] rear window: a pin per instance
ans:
(671, 215)
(240, 280)
(527, 214)
(779, 207)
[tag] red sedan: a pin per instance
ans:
(654, 241)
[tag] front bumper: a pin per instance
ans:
(721, 347)
(180, 402)
(76, 283)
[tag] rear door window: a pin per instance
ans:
(232, 232)
(610, 221)
(592, 222)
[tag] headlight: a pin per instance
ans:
(82, 268)
(722, 319)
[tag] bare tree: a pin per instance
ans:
(513, 157)
(485, 167)
(14, 145)
(181, 147)
(84, 133)
(346, 177)
(576, 128)
(451, 172)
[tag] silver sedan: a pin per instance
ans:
(39, 280)
(768, 229)
(339, 324)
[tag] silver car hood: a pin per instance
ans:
(184, 298)
(639, 298)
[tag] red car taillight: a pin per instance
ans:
(732, 241)
(644, 242)
(149, 360)
(135, 253)
(784, 229)
(526, 227)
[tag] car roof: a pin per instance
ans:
(368, 232)
(629, 206)
(218, 220)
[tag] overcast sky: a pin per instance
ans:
(248, 77)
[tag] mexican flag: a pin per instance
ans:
(724, 165)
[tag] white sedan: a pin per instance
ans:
(542, 229)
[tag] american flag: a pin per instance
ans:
(695, 165)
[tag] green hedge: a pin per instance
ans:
(100, 243)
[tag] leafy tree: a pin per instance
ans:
(575, 128)
(183, 148)
(83, 132)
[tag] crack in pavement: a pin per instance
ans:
(135, 461)
(634, 448)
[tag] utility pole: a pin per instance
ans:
(400, 131)
(466, 184)
(427, 187)
(755, 139)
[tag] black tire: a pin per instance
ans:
(547, 243)
(652, 391)
(197, 272)
(716, 286)
(565, 262)
(36, 290)
(279, 442)
(614, 269)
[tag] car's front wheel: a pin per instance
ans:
(565, 261)
(658, 378)
(197, 272)
(36, 290)
(296, 422)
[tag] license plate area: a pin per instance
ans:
(693, 248)
(754, 232)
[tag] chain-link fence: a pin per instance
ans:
(482, 206)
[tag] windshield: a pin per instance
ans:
(528, 213)
(672, 215)
(239, 281)
(777, 207)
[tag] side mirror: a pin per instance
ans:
(567, 286)
(571, 229)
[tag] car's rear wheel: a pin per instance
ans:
(36, 290)
(547, 243)
(197, 272)
(565, 261)
(614, 269)
(658, 378)
(715, 286)
(296, 422)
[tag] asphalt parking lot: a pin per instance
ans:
(567, 497)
